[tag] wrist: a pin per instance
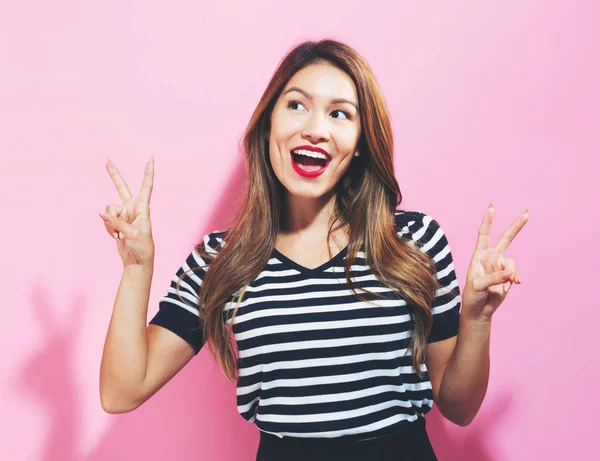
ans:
(139, 269)
(476, 321)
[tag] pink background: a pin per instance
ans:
(490, 101)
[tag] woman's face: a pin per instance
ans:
(317, 109)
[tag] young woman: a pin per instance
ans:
(337, 313)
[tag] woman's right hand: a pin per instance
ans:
(129, 223)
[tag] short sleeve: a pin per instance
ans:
(429, 236)
(178, 310)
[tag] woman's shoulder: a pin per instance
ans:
(213, 241)
(416, 225)
(408, 218)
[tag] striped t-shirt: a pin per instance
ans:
(314, 361)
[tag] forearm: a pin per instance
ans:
(123, 365)
(465, 379)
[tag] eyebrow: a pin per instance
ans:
(333, 101)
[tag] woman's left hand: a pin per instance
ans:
(490, 275)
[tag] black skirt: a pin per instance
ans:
(406, 442)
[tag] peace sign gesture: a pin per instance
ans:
(490, 275)
(129, 223)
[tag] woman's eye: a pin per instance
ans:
(291, 103)
(346, 114)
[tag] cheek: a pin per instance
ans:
(276, 156)
(350, 135)
(285, 123)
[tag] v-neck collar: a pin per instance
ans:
(294, 265)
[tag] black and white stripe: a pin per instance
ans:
(314, 361)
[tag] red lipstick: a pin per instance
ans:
(309, 174)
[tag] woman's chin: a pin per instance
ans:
(309, 193)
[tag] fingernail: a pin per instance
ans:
(121, 235)
(152, 158)
(105, 216)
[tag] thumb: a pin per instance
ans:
(118, 225)
(483, 282)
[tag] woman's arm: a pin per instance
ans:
(459, 369)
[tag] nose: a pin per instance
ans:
(315, 129)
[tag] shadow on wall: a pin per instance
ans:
(168, 426)
(471, 443)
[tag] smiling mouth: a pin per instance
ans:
(309, 164)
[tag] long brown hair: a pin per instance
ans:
(366, 199)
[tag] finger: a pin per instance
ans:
(499, 264)
(111, 232)
(483, 238)
(509, 234)
(114, 210)
(118, 181)
(106, 217)
(147, 183)
(124, 229)
(511, 264)
(483, 282)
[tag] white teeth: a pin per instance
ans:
(310, 153)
